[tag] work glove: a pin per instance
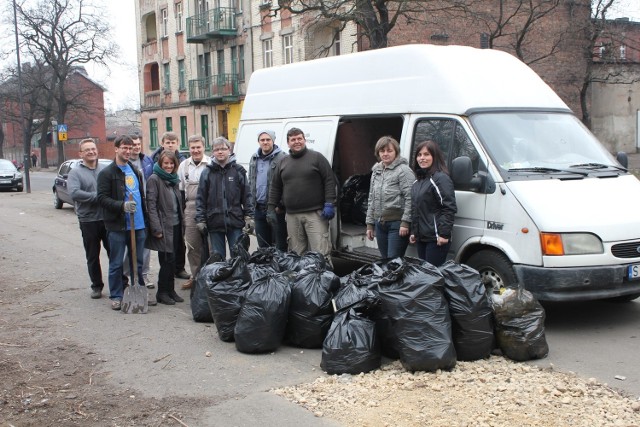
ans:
(249, 225)
(129, 207)
(328, 212)
(202, 228)
(272, 220)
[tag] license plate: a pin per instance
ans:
(633, 272)
(5, 181)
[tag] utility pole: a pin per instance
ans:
(25, 126)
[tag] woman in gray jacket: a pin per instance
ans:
(164, 203)
(389, 210)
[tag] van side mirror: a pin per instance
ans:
(622, 158)
(464, 179)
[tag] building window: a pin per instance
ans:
(153, 133)
(484, 41)
(267, 53)
(167, 78)
(204, 128)
(169, 124)
(287, 48)
(164, 13)
(241, 62)
(337, 40)
(181, 75)
(234, 60)
(178, 17)
(204, 67)
(220, 55)
(602, 51)
(183, 131)
(623, 52)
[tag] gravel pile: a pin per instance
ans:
(492, 392)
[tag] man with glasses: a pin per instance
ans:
(223, 201)
(121, 193)
(82, 186)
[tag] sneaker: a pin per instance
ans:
(151, 299)
(182, 275)
(96, 294)
(150, 285)
(187, 284)
(116, 304)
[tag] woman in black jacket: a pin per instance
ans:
(165, 223)
(433, 204)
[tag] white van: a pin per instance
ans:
(540, 201)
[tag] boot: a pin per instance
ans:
(175, 296)
(164, 298)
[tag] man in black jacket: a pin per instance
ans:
(223, 202)
(120, 193)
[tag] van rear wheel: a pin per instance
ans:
(495, 269)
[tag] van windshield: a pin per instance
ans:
(541, 143)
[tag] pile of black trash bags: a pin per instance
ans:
(401, 308)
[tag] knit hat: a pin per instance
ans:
(269, 132)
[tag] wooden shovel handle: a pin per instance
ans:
(134, 258)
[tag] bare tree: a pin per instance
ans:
(374, 19)
(65, 34)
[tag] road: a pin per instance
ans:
(597, 339)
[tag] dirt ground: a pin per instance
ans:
(48, 382)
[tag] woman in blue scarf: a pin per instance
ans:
(165, 223)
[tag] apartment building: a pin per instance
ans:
(196, 58)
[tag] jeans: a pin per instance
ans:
(390, 243)
(94, 234)
(118, 242)
(218, 244)
(268, 235)
(432, 253)
(167, 260)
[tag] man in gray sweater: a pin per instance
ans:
(305, 183)
(82, 186)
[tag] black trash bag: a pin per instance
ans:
(266, 256)
(311, 309)
(199, 300)
(351, 187)
(412, 298)
(359, 209)
(351, 345)
(519, 325)
(226, 292)
(353, 289)
(258, 271)
(470, 309)
(287, 261)
(263, 318)
(311, 259)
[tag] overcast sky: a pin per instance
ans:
(122, 82)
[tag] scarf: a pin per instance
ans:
(422, 173)
(171, 178)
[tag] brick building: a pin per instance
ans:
(85, 117)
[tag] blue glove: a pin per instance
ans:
(328, 212)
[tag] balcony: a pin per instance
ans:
(150, 50)
(213, 24)
(218, 89)
(152, 99)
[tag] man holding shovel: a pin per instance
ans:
(120, 193)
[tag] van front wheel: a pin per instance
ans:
(495, 269)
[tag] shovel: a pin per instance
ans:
(136, 298)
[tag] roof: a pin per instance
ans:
(410, 78)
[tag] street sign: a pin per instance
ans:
(62, 132)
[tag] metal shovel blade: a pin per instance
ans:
(135, 300)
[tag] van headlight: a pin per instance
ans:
(570, 244)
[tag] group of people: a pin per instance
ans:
(411, 206)
(200, 205)
(197, 205)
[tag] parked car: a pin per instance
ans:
(10, 176)
(60, 193)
